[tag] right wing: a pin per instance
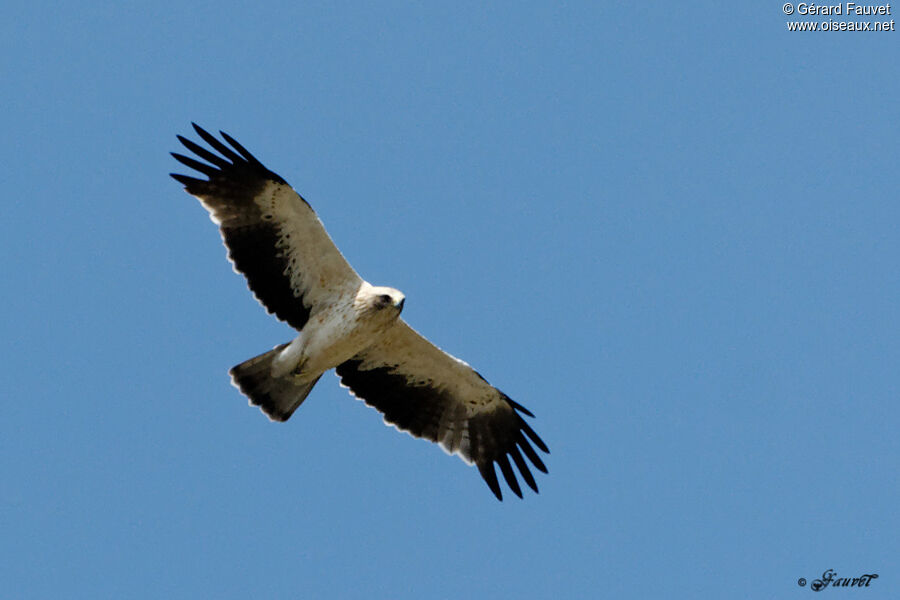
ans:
(430, 394)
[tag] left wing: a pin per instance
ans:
(273, 236)
(430, 394)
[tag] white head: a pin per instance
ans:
(385, 300)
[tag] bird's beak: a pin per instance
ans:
(400, 304)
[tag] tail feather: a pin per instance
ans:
(278, 397)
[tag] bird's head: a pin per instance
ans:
(388, 300)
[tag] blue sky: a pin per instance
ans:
(669, 232)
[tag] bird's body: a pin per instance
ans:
(275, 239)
(339, 331)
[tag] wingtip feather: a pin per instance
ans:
(184, 179)
(243, 151)
(531, 454)
(534, 437)
(519, 407)
(523, 468)
(509, 475)
(490, 477)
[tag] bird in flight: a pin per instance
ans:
(275, 239)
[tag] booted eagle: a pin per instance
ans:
(275, 239)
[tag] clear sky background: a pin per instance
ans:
(669, 231)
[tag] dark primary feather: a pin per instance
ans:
(235, 178)
(427, 412)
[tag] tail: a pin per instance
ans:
(278, 397)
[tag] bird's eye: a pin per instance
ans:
(385, 299)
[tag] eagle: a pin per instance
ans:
(276, 240)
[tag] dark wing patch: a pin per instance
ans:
(429, 412)
(235, 179)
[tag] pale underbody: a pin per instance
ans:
(338, 332)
